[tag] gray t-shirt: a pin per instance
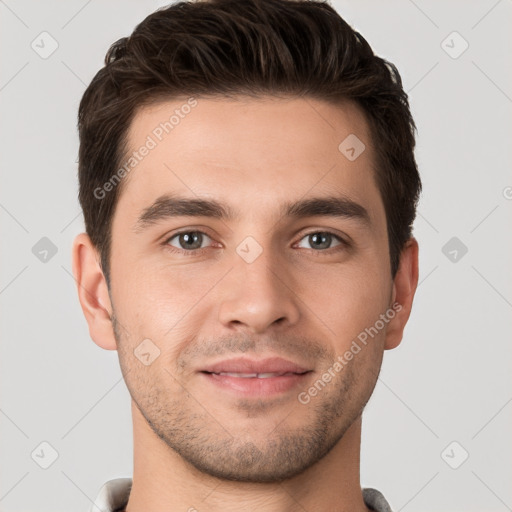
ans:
(113, 497)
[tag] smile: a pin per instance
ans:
(255, 375)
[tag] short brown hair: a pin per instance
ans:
(297, 48)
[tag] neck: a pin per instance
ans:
(162, 480)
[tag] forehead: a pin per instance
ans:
(252, 153)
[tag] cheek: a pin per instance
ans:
(347, 300)
(158, 301)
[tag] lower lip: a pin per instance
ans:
(256, 387)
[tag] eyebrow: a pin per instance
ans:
(169, 206)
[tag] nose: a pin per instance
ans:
(258, 295)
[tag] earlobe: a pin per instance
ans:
(93, 292)
(404, 288)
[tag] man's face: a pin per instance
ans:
(216, 295)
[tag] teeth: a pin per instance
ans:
(253, 375)
(243, 375)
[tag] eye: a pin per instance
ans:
(321, 240)
(188, 240)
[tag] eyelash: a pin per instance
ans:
(343, 243)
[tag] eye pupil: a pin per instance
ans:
(320, 240)
(191, 240)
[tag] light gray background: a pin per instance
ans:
(450, 379)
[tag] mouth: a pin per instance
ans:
(267, 375)
(255, 378)
(250, 368)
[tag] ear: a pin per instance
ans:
(404, 288)
(93, 292)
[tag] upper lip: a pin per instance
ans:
(245, 365)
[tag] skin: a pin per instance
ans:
(200, 448)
